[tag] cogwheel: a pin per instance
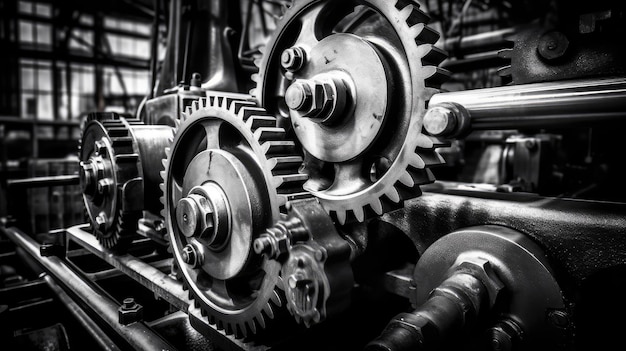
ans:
(109, 168)
(227, 177)
(353, 79)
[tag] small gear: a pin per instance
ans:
(353, 79)
(109, 167)
(228, 175)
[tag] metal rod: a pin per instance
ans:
(537, 105)
(162, 284)
(479, 42)
(138, 335)
(42, 182)
(103, 340)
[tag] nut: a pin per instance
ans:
(482, 270)
(130, 312)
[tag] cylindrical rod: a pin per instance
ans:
(538, 105)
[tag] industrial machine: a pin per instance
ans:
(359, 175)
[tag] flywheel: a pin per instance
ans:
(351, 79)
(228, 175)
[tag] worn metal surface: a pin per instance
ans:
(579, 237)
(138, 335)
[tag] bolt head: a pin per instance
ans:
(100, 147)
(439, 121)
(299, 96)
(101, 221)
(104, 186)
(292, 59)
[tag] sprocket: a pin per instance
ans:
(353, 79)
(228, 175)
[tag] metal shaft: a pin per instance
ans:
(138, 335)
(538, 105)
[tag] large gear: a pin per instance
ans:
(228, 175)
(354, 78)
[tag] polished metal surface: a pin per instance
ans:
(232, 165)
(539, 105)
(356, 161)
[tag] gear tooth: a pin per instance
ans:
(433, 55)
(212, 319)
(405, 12)
(406, 179)
(272, 133)
(505, 71)
(416, 161)
(252, 111)
(252, 92)
(256, 122)
(359, 214)
(341, 216)
(377, 206)
(424, 142)
(505, 53)
(260, 320)
(269, 311)
(436, 76)
(392, 194)
(275, 298)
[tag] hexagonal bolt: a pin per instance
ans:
(292, 59)
(100, 147)
(130, 312)
(104, 186)
(440, 121)
(481, 269)
(190, 256)
(321, 101)
(299, 96)
(276, 240)
(101, 221)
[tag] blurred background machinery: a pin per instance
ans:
(312, 174)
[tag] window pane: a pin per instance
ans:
(28, 78)
(45, 79)
(43, 10)
(44, 106)
(25, 7)
(44, 34)
(26, 32)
